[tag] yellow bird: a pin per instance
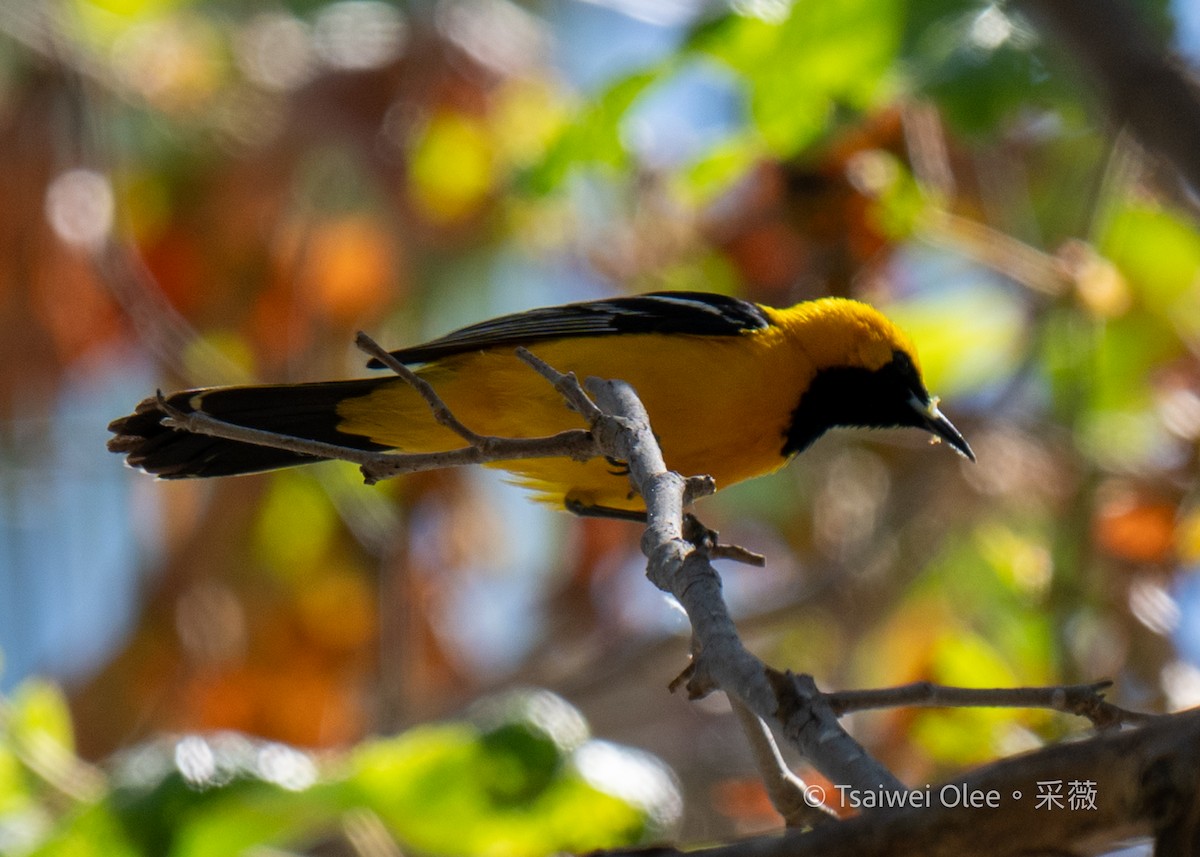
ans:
(734, 389)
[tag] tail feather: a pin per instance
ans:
(307, 411)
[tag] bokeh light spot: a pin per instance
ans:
(275, 51)
(636, 777)
(79, 207)
(195, 760)
(359, 34)
(286, 767)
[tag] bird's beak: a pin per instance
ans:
(935, 422)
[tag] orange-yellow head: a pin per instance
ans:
(865, 374)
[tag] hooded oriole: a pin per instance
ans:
(733, 389)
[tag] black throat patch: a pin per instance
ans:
(851, 396)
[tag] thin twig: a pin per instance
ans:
(576, 444)
(367, 835)
(707, 539)
(698, 487)
(51, 762)
(1083, 700)
(566, 384)
(787, 791)
(198, 422)
(620, 430)
(440, 410)
(737, 553)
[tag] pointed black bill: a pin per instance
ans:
(935, 422)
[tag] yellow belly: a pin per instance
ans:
(719, 405)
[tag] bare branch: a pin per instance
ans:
(679, 563)
(1084, 700)
(198, 422)
(1036, 270)
(1140, 782)
(677, 566)
(709, 540)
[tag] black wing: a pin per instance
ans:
(693, 313)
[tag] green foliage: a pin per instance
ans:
(451, 790)
(981, 65)
(218, 794)
(799, 73)
(1158, 251)
(38, 718)
(515, 781)
(295, 526)
(824, 57)
(593, 138)
(511, 783)
(969, 337)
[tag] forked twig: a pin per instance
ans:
(440, 410)
(566, 384)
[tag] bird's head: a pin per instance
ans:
(865, 375)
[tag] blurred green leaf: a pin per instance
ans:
(527, 736)
(204, 796)
(967, 337)
(713, 172)
(1128, 350)
(901, 201)
(89, 831)
(1157, 251)
(999, 636)
(995, 583)
(826, 55)
(593, 138)
(38, 713)
(980, 64)
(436, 789)
(255, 814)
(452, 167)
(295, 525)
(965, 736)
(711, 272)
(14, 785)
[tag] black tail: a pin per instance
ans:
(300, 410)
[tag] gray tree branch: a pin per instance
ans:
(792, 703)
(1069, 799)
